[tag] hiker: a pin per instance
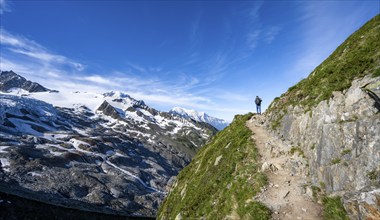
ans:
(258, 104)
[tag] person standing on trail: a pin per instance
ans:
(258, 104)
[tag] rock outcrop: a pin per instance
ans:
(333, 117)
(341, 139)
(108, 110)
(10, 80)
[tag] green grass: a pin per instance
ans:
(372, 175)
(212, 191)
(333, 209)
(356, 57)
(345, 151)
(293, 150)
(336, 161)
(316, 190)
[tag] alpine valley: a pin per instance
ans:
(106, 153)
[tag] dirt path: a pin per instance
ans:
(285, 194)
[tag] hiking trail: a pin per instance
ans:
(285, 193)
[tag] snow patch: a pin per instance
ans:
(3, 148)
(35, 174)
(5, 165)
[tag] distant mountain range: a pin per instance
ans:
(219, 124)
(106, 153)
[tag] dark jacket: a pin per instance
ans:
(258, 101)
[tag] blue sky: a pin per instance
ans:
(212, 56)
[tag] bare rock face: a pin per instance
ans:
(364, 204)
(341, 139)
(109, 110)
(10, 80)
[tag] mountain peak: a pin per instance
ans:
(187, 111)
(10, 80)
(109, 110)
(218, 123)
(116, 94)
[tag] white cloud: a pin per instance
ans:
(53, 74)
(271, 34)
(100, 80)
(137, 67)
(253, 39)
(34, 51)
(40, 55)
(254, 11)
(259, 33)
(4, 6)
(6, 64)
(59, 72)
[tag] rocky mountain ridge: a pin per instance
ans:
(218, 123)
(114, 155)
(10, 80)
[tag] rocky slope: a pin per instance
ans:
(221, 180)
(111, 154)
(287, 171)
(330, 120)
(16, 208)
(10, 80)
(336, 122)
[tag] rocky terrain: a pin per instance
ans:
(221, 181)
(340, 138)
(16, 208)
(314, 154)
(219, 124)
(111, 154)
(340, 135)
(10, 80)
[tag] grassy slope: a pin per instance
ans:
(215, 191)
(357, 56)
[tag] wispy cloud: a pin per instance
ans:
(254, 11)
(36, 52)
(136, 67)
(253, 38)
(100, 80)
(37, 63)
(4, 6)
(270, 34)
(259, 33)
(321, 35)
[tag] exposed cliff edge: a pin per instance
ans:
(341, 139)
(336, 124)
(331, 119)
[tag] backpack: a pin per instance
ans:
(258, 101)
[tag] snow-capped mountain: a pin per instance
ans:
(218, 123)
(105, 152)
(10, 80)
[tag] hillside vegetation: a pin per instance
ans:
(357, 56)
(221, 180)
